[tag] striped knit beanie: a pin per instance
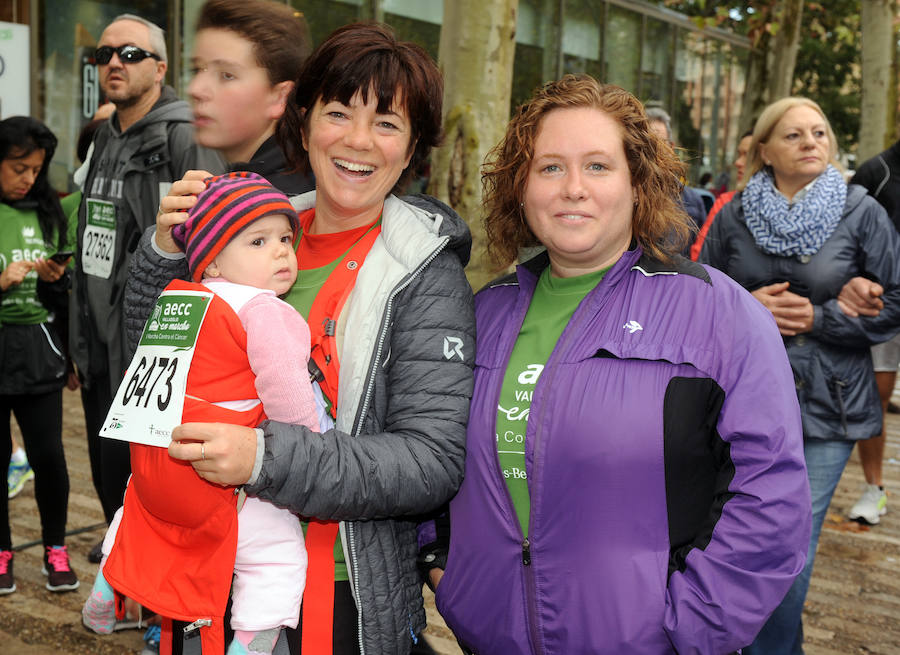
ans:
(229, 204)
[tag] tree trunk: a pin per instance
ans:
(770, 65)
(783, 56)
(476, 55)
(372, 10)
(877, 30)
(755, 97)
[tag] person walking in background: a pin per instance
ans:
(794, 234)
(143, 147)
(634, 469)
(33, 279)
(880, 175)
(691, 199)
(725, 197)
(245, 58)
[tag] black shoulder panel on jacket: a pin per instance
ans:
(505, 280)
(681, 265)
(535, 266)
(698, 465)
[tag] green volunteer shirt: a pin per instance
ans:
(21, 239)
(555, 300)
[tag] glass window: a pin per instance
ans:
(324, 16)
(189, 19)
(582, 37)
(418, 21)
(734, 92)
(656, 62)
(688, 93)
(536, 48)
(623, 54)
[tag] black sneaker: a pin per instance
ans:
(95, 555)
(60, 576)
(7, 583)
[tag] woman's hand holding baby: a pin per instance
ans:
(174, 207)
(219, 452)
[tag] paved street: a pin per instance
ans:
(853, 605)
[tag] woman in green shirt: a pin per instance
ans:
(32, 363)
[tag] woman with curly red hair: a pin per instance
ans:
(634, 466)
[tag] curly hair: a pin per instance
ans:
(367, 58)
(19, 137)
(659, 223)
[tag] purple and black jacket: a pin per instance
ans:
(670, 507)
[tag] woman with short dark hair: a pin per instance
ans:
(381, 284)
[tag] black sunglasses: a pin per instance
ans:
(128, 54)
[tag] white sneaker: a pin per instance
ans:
(871, 505)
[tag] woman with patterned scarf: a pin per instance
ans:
(794, 236)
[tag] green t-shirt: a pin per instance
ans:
(21, 239)
(555, 300)
(309, 282)
(300, 297)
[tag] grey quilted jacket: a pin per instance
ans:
(406, 339)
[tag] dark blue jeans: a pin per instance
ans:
(783, 632)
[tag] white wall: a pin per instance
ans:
(15, 67)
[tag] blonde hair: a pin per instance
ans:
(765, 125)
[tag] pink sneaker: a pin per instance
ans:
(60, 576)
(7, 584)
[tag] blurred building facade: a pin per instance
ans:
(659, 55)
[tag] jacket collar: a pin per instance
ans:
(634, 259)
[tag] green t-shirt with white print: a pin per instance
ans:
(555, 300)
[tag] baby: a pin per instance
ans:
(174, 544)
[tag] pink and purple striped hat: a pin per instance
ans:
(229, 204)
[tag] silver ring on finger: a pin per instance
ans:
(203, 451)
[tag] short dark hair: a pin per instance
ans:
(19, 137)
(279, 34)
(360, 58)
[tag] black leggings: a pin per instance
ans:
(40, 420)
(110, 458)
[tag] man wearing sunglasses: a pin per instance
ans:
(144, 146)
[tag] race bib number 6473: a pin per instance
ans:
(150, 400)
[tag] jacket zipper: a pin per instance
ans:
(527, 570)
(527, 560)
(360, 417)
(196, 625)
